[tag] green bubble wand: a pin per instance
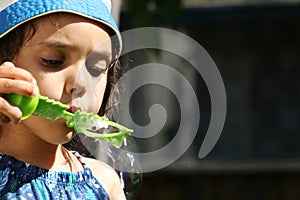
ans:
(89, 124)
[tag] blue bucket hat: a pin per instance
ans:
(17, 12)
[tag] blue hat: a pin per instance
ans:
(21, 11)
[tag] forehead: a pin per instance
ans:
(63, 29)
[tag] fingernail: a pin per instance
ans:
(35, 91)
(34, 81)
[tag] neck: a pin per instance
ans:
(33, 150)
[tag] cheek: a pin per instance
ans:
(100, 90)
(46, 83)
(91, 101)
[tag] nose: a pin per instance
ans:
(76, 82)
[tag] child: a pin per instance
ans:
(45, 42)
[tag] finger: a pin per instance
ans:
(8, 70)
(10, 111)
(8, 86)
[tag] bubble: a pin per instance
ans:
(124, 162)
(128, 161)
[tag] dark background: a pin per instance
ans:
(256, 48)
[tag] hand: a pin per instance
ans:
(14, 80)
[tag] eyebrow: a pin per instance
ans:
(104, 53)
(55, 43)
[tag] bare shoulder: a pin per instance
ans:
(108, 177)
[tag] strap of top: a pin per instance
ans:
(80, 158)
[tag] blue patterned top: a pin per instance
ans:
(19, 180)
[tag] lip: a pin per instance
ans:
(73, 109)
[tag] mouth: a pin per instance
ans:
(73, 109)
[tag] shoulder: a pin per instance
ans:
(108, 177)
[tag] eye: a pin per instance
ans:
(95, 71)
(51, 63)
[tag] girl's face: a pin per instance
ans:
(68, 56)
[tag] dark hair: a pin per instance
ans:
(11, 43)
(10, 46)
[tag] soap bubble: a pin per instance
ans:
(121, 159)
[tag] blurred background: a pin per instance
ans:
(256, 47)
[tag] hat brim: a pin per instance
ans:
(26, 10)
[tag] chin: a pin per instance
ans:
(66, 139)
(56, 132)
(66, 134)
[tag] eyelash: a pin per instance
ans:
(97, 71)
(93, 70)
(51, 63)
